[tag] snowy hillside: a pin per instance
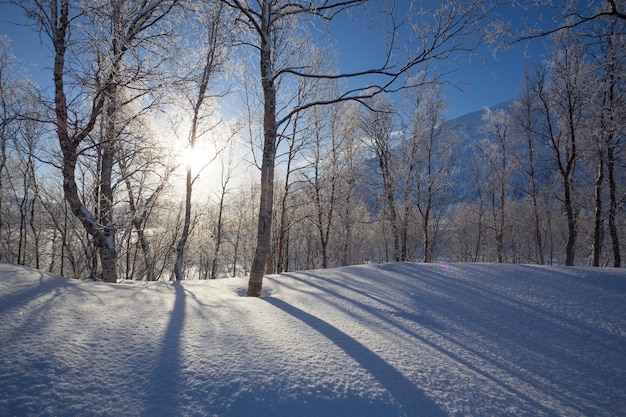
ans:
(380, 340)
(471, 125)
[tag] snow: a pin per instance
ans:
(399, 339)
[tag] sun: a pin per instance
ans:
(197, 158)
(201, 163)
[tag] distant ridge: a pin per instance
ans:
(471, 123)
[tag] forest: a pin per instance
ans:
(197, 140)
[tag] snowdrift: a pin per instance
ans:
(378, 340)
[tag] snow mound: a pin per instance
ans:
(378, 340)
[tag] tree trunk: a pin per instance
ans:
(389, 186)
(598, 231)
(69, 144)
(570, 248)
(533, 196)
(613, 207)
(264, 226)
(182, 241)
(282, 233)
(426, 237)
(106, 246)
(218, 233)
(500, 232)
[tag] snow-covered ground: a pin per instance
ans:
(379, 340)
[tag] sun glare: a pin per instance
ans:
(197, 159)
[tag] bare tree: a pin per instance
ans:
(8, 116)
(26, 164)
(296, 141)
(429, 151)
(496, 152)
(206, 69)
(145, 175)
(609, 135)
(267, 23)
(226, 175)
(380, 133)
(322, 177)
(525, 122)
(563, 104)
(118, 29)
(569, 15)
(591, 24)
(349, 179)
(21, 147)
(245, 210)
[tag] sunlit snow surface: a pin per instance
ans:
(379, 340)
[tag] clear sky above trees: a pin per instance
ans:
(487, 80)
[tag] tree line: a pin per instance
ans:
(355, 166)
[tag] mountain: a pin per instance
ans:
(399, 339)
(466, 132)
(470, 125)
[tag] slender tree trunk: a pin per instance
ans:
(426, 236)
(3, 153)
(331, 211)
(389, 190)
(533, 197)
(500, 232)
(139, 221)
(598, 231)
(282, 233)
(481, 212)
(324, 225)
(348, 209)
(33, 205)
(218, 233)
(209, 68)
(613, 207)
(568, 177)
(570, 212)
(236, 245)
(184, 235)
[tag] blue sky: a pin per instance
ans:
(482, 86)
(486, 79)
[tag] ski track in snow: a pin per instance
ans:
(399, 339)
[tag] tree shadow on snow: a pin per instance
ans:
(411, 400)
(163, 392)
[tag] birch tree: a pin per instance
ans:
(438, 33)
(93, 45)
(430, 150)
(525, 123)
(591, 23)
(8, 126)
(145, 173)
(497, 154)
(349, 177)
(610, 133)
(570, 15)
(379, 129)
(563, 102)
(322, 177)
(203, 75)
